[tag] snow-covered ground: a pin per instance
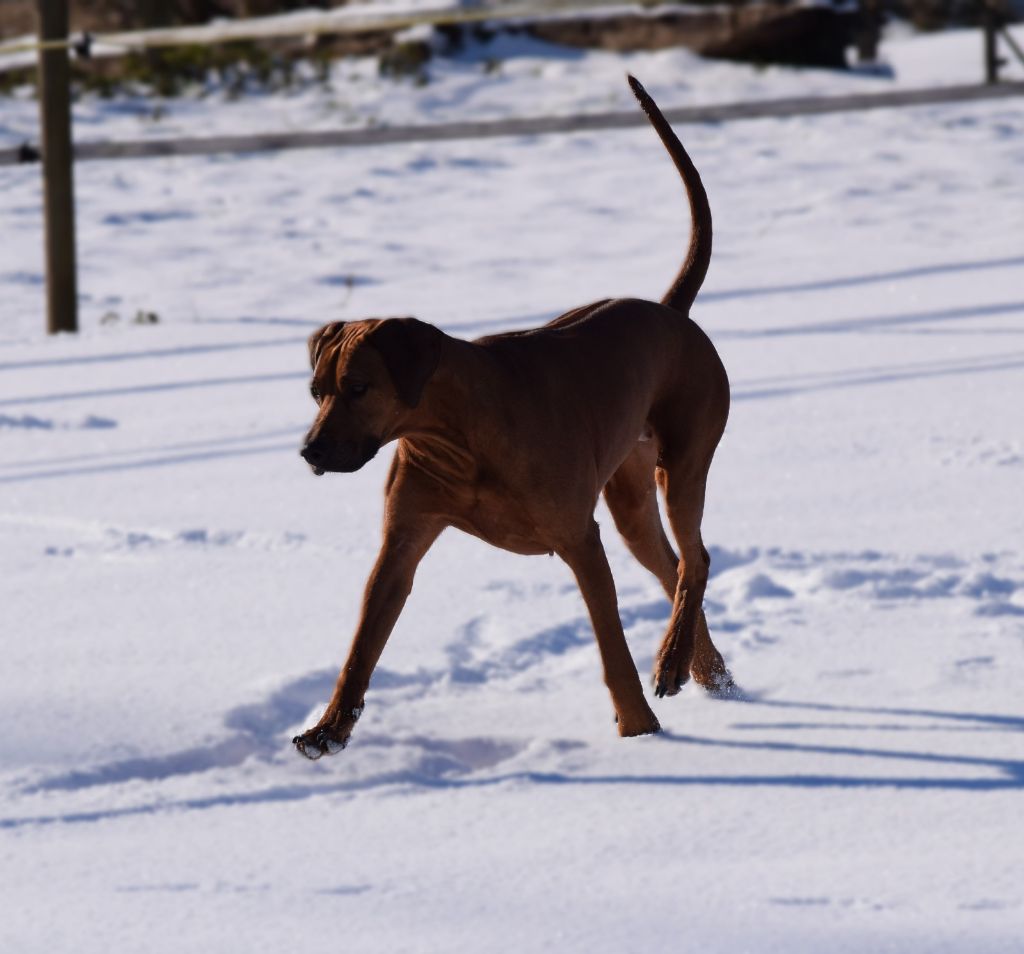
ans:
(177, 590)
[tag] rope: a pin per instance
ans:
(272, 28)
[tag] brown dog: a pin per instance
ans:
(513, 437)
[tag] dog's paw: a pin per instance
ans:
(672, 665)
(721, 686)
(669, 679)
(319, 742)
(726, 688)
(327, 738)
(717, 681)
(645, 723)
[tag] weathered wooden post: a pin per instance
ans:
(58, 183)
(990, 25)
(868, 31)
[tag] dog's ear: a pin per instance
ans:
(411, 350)
(319, 340)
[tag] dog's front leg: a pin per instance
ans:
(387, 589)
(589, 563)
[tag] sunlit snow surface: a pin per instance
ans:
(178, 590)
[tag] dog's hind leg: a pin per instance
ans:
(684, 497)
(631, 495)
(586, 558)
(687, 646)
(708, 667)
(632, 498)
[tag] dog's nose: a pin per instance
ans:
(313, 453)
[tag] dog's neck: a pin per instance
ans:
(445, 427)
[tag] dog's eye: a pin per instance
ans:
(315, 393)
(358, 390)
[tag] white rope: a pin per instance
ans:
(343, 21)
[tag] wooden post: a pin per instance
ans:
(990, 24)
(868, 31)
(58, 185)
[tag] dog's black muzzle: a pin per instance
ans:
(343, 457)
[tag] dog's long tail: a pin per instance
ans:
(691, 276)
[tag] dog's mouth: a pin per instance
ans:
(344, 459)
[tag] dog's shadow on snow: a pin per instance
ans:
(475, 762)
(1003, 773)
(996, 773)
(259, 731)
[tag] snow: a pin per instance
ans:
(178, 591)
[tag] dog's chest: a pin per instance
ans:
(504, 520)
(506, 499)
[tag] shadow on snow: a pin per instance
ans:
(451, 763)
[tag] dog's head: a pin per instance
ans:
(368, 376)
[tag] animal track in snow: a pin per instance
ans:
(120, 541)
(30, 422)
(755, 596)
(261, 730)
(991, 585)
(979, 452)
